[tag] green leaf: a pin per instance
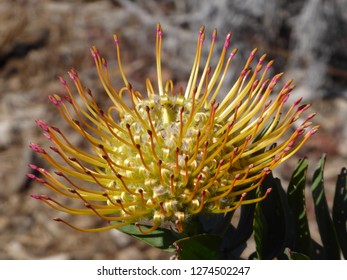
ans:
(297, 203)
(159, 238)
(324, 221)
(340, 210)
(230, 250)
(215, 224)
(238, 236)
(272, 221)
(199, 247)
(244, 227)
(260, 231)
(291, 255)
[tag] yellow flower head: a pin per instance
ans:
(171, 154)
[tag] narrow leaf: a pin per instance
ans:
(324, 221)
(272, 221)
(159, 238)
(220, 224)
(260, 232)
(229, 249)
(297, 204)
(244, 227)
(340, 210)
(199, 247)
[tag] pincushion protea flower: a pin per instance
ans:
(171, 155)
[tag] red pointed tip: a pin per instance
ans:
(40, 180)
(233, 53)
(202, 38)
(73, 76)
(310, 116)
(227, 41)
(42, 124)
(202, 29)
(37, 148)
(56, 129)
(73, 71)
(33, 166)
(48, 136)
(115, 39)
(54, 149)
(214, 35)
(262, 58)
(159, 30)
(269, 65)
(94, 53)
(62, 81)
(68, 99)
(53, 100)
(40, 197)
(287, 84)
(314, 130)
(59, 173)
(31, 176)
(104, 62)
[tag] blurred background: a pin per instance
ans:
(41, 39)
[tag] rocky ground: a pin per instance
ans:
(41, 39)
